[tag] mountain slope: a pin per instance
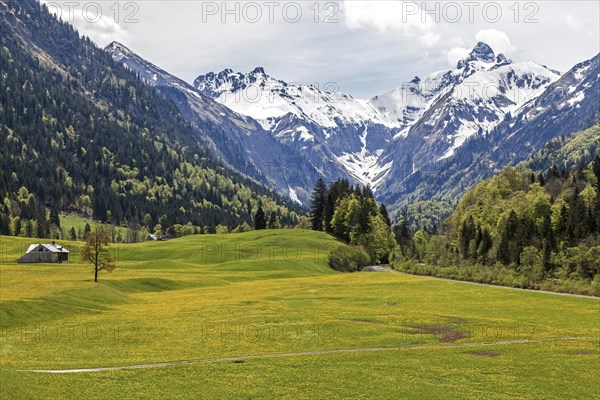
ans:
(238, 140)
(426, 172)
(333, 129)
(394, 136)
(81, 133)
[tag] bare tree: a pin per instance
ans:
(96, 251)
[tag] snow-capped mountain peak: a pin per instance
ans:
(316, 119)
(268, 99)
(215, 84)
(481, 52)
(481, 80)
(482, 57)
(501, 59)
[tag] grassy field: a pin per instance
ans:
(271, 293)
(68, 221)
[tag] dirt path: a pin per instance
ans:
(583, 296)
(306, 353)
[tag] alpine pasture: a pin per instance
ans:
(260, 315)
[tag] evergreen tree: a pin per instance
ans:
(485, 245)
(211, 229)
(510, 247)
(363, 220)
(86, 231)
(259, 219)
(403, 235)
(317, 205)
(596, 169)
(273, 221)
(467, 233)
(328, 211)
(54, 218)
(337, 190)
(384, 213)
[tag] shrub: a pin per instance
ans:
(348, 258)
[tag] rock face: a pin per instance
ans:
(431, 138)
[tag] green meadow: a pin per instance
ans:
(260, 315)
(68, 221)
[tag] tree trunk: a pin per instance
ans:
(96, 274)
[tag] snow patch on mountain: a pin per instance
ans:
(365, 165)
(294, 195)
(300, 133)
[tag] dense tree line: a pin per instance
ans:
(353, 215)
(80, 133)
(540, 230)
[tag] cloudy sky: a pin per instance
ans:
(365, 47)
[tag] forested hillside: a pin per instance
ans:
(521, 227)
(80, 133)
(567, 152)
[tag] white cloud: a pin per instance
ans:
(429, 38)
(100, 27)
(380, 15)
(571, 22)
(390, 16)
(498, 40)
(369, 52)
(455, 54)
(104, 31)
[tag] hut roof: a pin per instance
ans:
(55, 248)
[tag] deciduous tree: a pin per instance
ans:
(95, 251)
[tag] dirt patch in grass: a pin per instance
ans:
(583, 353)
(389, 304)
(366, 321)
(446, 332)
(482, 353)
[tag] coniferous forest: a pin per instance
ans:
(80, 133)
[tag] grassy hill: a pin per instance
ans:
(271, 292)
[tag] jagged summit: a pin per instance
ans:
(481, 52)
(117, 46)
(215, 83)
